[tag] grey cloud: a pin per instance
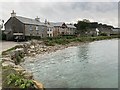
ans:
(106, 12)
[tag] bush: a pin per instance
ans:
(49, 43)
(17, 60)
(22, 55)
(13, 79)
(68, 36)
(32, 37)
(62, 41)
(19, 81)
(103, 34)
(2, 36)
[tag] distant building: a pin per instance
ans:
(93, 32)
(21, 27)
(50, 29)
(105, 29)
(61, 28)
(115, 31)
(97, 30)
(71, 29)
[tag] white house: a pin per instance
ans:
(97, 30)
(50, 30)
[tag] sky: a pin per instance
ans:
(69, 11)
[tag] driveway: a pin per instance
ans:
(4, 45)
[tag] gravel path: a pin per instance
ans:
(4, 45)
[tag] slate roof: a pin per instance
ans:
(57, 24)
(29, 21)
(116, 29)
(60, 24)
(49, 25)
(70, 26)
(34, 22)
(105, 30)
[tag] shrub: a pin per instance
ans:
(61, 41)
(17, 59)
(103, 34)
(2, 36)
(49, 43)
(21, 54)
(13, 79)
(19, 81)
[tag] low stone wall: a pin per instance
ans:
(14, 57)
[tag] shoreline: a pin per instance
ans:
(36, 48)
(57, 48)
(62, 62)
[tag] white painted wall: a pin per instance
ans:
(50, 31)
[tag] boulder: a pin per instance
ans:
(32, 46)
(8, 63)
(18, 68)
(27, 75)
(20, 49)
(33, 54)
(38, 85)
(7, 59)
(41, 49)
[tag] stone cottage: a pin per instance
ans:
(18, 27)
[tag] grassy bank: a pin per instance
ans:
(63, 40)
(10, 49)
(67, 39)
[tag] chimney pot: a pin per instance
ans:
(37, 19)
(13, 14)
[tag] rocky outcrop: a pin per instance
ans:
(38, 85)
(17, 55)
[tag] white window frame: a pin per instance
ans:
(51, 29)
(36, 28)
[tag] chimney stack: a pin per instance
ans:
(37, 19)
(13, 14)
(45, 21)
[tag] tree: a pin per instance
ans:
(85, 20)
(82, 26)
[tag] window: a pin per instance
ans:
(36, 27)
(42, 35)
(42, 28)
(50, 29)
(50, 35)
(31, 28)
